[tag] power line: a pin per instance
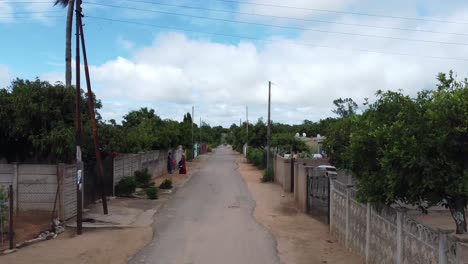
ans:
(38, 12)
(26, 2)
(264, 40)
(31, 17)
(302, 8)
(343, 12)
(277, 26)
(293, 18)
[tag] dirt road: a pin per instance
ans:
(210, 221)
(301, 239)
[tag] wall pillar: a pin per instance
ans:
(332, 201)
(442, 248)
(348, 201)
(61, 188)
(399, 238)
(15, 181)
(368, 232)
(459, 256)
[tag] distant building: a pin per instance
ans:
(315, 143)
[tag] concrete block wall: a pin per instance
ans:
(300, 188)
(67, 181)
(155, 161)
(6, 175)
(302, 168)
(35, 187)
(280, 170)
(387, 235)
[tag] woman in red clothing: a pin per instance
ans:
(182, 167)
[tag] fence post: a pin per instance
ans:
(61, 187)
(330, 199)
(15, 186)
(11, 232)
(113, 176)
(348, 200)
(442, 248)
(459, 257)
(368, 231)
(399, 237)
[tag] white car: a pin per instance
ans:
(325, 170)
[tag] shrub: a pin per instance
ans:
(268, 175)
(166, 184)
(256, 157)
(142, 178)
(189, 154)
(152, 192)
(239, 148)
(126, 187)
(209, 149)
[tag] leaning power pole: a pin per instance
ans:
(268, 131)
(100, 173)
(79, 162)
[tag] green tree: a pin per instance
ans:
(345, 107)
(39, 121)
(259, 135)
(414, 150)
(285, 142)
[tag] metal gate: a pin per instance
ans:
(318, 199)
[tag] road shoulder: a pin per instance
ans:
(109, 244)
(300, 238)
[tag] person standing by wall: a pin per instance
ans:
(182, 165)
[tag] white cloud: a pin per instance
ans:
(175, 71)
(186, 71)
(31, 10)
(54, 77)
(39, 11)
(125, 43)
(6, 11)
(5, 76)
(142, 81)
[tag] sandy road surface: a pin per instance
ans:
(210, 220)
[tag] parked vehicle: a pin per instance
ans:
(317, 156)
(325, 170)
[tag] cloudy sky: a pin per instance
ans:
(219, 55)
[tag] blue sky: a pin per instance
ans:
(135, 66)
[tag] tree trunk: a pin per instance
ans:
(457, 209)
(68, 52)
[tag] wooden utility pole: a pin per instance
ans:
(247, 118)
(79, 162)
(292, 170)
(93, 124)
(200, 129)
(268, 130)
